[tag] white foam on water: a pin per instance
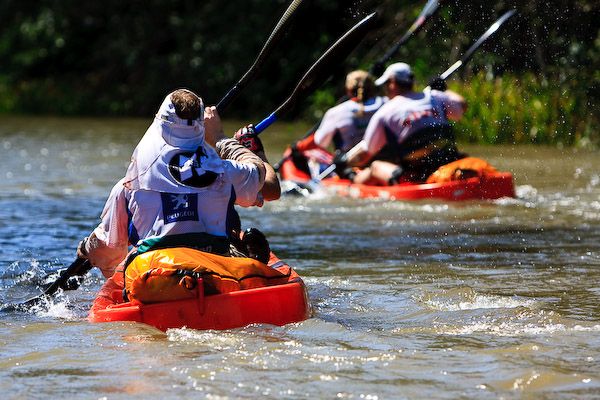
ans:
(509, 329)
(586, 210)
(332, 282)
(220, 340)
(57, 308)
(435, 208)
(526, 192)
(479, 302)
(508, 201)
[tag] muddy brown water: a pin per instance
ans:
(411, 299)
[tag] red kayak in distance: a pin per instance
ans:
(487, 187)
(279, 304)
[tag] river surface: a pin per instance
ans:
(411, 300)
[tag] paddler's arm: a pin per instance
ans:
(231, 149)
(271, 189)
(358, 156)
(108, 244)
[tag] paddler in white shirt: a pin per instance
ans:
(344, 124)
(410, 136)
(180, 189)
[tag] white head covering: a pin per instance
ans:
(401, 72)
(175, 142)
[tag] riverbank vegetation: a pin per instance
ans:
(527, 108)
(537, 81)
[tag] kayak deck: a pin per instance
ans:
(275, 305)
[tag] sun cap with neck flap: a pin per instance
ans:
(171, 152)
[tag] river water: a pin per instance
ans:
(411, 299)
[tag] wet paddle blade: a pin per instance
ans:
(322, 68)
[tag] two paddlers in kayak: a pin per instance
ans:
(407, 136)
(343, 125)
(410, 136)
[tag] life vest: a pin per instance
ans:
(464, 168)
(423, 153)
(172, 274)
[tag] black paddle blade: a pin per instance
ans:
(67, 280)
(469, 53)
(430, 9)
(322, 68)
(276, 35)
(329, 61)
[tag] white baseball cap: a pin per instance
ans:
(401, 72)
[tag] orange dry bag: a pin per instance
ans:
(464, 168)
(171, 274)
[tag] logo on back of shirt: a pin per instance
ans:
(186, 168)
(179, 207)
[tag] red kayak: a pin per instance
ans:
(278, 304)
(479, 188)
(486, 187)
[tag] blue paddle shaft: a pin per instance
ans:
(265, 123)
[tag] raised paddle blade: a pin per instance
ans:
(430, 9)
(276, 35)
(322, 68)
(469, 53)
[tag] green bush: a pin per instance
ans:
(527, 109)
(120, 58)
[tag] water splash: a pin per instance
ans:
(515, 328)
(468, 299)
(58, 307)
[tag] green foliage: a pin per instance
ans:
(526, 109)
(537, 81)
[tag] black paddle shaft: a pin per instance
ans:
(469, 53)
(322, 68)
(276, 35)
(79, 267)
(430, 9)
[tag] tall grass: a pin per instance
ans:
(526, 109)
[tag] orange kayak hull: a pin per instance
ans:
(275, 305)
(488, 187)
